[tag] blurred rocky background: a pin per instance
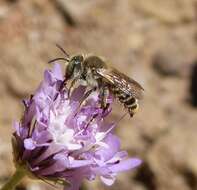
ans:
(152, 41)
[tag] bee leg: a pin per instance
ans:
(87, 94)
(84, 98)
(104, 93)
(73, 82)
(91, 120)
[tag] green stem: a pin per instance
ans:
(14, 180)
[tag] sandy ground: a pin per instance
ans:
(152, 41)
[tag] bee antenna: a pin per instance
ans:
(59, 58)
(62, 50)
(66, 58)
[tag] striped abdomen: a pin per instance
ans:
(129, 101)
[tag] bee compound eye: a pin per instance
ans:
(77, 59)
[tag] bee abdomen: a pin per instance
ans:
(127, 100)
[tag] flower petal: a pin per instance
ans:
(125, 165)
(113, 146)
(29, 144)
(60, 138)
(108, 180)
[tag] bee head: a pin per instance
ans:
(74, 67)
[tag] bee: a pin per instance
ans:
(95, 73)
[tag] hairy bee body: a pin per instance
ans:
(98, 75)
(129, 102)
(125, 89)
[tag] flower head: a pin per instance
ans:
(59, 140)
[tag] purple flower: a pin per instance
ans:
(59, 140)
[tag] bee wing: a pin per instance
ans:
(121, 81)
